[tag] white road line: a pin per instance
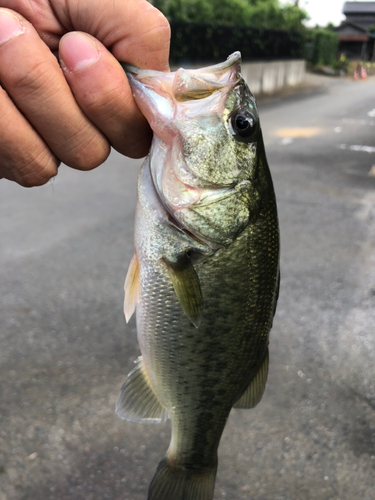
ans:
(352, 121)
(286, 141)
(357, 147)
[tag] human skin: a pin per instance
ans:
(63, 96)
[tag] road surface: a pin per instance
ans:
(65, 348)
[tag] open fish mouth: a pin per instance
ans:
(158, 93)
(189, 84)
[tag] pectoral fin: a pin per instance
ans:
(254, 392)
(131, 288)
(138, 401)
(186, 284)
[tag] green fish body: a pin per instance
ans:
(205, 274)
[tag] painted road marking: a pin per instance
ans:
(286, 140)
(357, 147)
(352, 121)
(371, 113)
(296, 132)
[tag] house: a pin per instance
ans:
(361, 13)
(356, 40)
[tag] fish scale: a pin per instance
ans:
(204, 279)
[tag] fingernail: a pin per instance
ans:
(77, 51)
(10, 26)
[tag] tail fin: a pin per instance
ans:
(179, 483)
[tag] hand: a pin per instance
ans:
(74, 111)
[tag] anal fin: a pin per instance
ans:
(137, 400)
(255, 390)
(186, 284)
(131, 288)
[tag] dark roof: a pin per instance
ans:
(352, 24)
(358, 32)
(359, 8)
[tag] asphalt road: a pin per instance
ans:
(65, 349)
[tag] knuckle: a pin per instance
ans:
(28, 165)
(158, 29)
(139, 149)
(162, 25)
(37, 76)
(105, 100)
(162, 31)
(39, 171)
(89, 154)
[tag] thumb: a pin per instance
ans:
(100, 87)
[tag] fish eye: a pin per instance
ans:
(243, 123)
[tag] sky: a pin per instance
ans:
(322, 12)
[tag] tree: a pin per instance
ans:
(258, 13)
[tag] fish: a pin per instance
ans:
(204, 278)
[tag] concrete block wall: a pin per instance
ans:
(269, 76)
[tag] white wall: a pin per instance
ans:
(268, 77)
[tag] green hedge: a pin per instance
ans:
(194, 43)
(324, 46)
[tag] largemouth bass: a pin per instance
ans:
(204, 278)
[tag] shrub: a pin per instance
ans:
(199, 42)
(324, 45)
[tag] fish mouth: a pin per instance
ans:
(232, 60)
(161, 95)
